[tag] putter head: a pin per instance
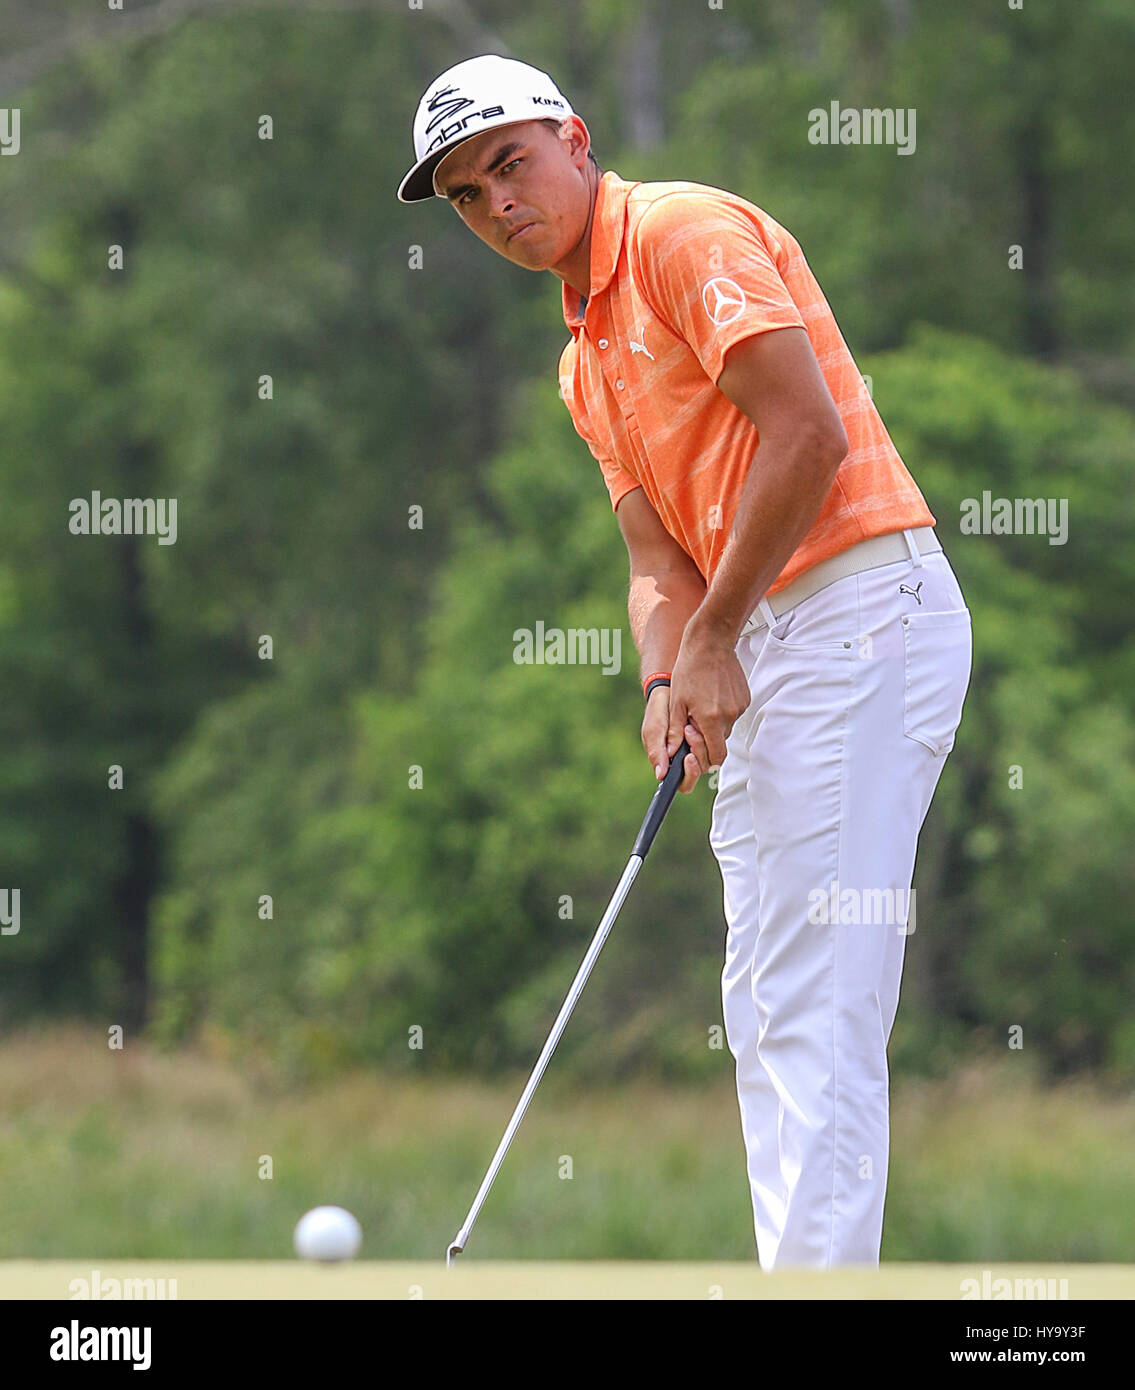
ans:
(452, 1253)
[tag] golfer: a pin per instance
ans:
(796, 618)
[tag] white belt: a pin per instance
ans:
(864, 555)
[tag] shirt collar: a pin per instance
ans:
(608, 225)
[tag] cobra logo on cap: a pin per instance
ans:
(444, 108)
(451, 108)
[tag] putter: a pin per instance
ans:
(660, 804)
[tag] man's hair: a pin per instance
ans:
(555, 125)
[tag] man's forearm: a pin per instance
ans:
(659, 607)
(783, 494)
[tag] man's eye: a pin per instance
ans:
(466, 196)
(512, 163)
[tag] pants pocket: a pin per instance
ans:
(938, 653)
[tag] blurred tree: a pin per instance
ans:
(244, 259)
(399, 350)
(437, 906)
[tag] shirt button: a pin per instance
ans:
(603, 343)
(620, 384)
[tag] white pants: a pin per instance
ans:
(856, 696)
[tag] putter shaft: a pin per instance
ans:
(663, 797)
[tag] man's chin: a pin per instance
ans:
(530, 258)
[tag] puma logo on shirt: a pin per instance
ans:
(641, 346)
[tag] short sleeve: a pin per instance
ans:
(708, 270)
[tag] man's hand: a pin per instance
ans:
(708, 693)
(655, 726)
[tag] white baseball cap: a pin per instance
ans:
(476, 95)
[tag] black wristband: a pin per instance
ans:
(658, 680)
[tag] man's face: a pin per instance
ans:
(522, 189)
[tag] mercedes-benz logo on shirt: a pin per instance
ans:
(724, 300)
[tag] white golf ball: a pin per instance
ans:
(328, 1234)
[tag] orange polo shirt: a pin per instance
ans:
(681, 272)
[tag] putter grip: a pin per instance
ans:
(667, 790)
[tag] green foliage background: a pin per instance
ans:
(442, 908)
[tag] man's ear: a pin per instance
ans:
(579, 137)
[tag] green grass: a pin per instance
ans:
(140, 1154)
(550, 1279)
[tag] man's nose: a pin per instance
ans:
(501, 203)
